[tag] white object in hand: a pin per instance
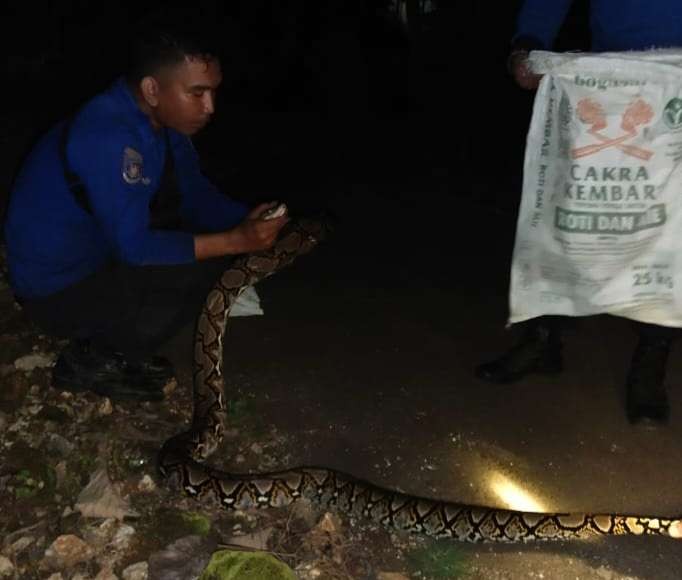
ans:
(274, 212)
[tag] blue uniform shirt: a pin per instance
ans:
(615, 25)
(53, 243)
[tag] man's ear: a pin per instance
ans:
(149, 87)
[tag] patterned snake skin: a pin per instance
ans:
(181, 460)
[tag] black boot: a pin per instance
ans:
(647, 402)
(538, 351)
(81, 367)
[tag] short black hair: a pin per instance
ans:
(167, 39)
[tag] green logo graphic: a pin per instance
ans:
(672, 114)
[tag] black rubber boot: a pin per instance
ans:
(647, 402)
(538, 351)
(80, 367)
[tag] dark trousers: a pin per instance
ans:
(645, 331)
(128, 309)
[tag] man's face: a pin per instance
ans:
(186, 95)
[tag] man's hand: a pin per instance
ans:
(257, 232)
(520, 70)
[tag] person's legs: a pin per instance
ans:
(537, 351)
(167, 298)
(646, 399)
(117, 318)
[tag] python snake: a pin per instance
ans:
(182, 457)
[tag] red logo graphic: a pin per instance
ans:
(591, 113)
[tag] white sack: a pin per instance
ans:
(600, 221)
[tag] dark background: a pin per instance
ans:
(317, 94)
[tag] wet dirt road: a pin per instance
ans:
(365, 358)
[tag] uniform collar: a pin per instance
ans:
(124, 95)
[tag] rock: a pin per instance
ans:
(36, 360)
(101, 534)
(324, 538)
(6, 568)
(100, 499)
(306, 511)
(391, 576)
(106, 574)
(20, 545)
(105, 408)
(111, 539)
(329, 523)
(139, 571)
(55, 576)
(258, 540)
(170, 387)
(231, 565)
(146, 484)
(184, 558)
(33, 409)
(61, 473)
(67, 551)
(122, 537)
(307, 571)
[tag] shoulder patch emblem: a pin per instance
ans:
(132, 167)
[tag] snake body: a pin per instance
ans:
(182, 457)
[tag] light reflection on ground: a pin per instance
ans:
(513, 495)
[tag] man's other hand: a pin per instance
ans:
(520, 70)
